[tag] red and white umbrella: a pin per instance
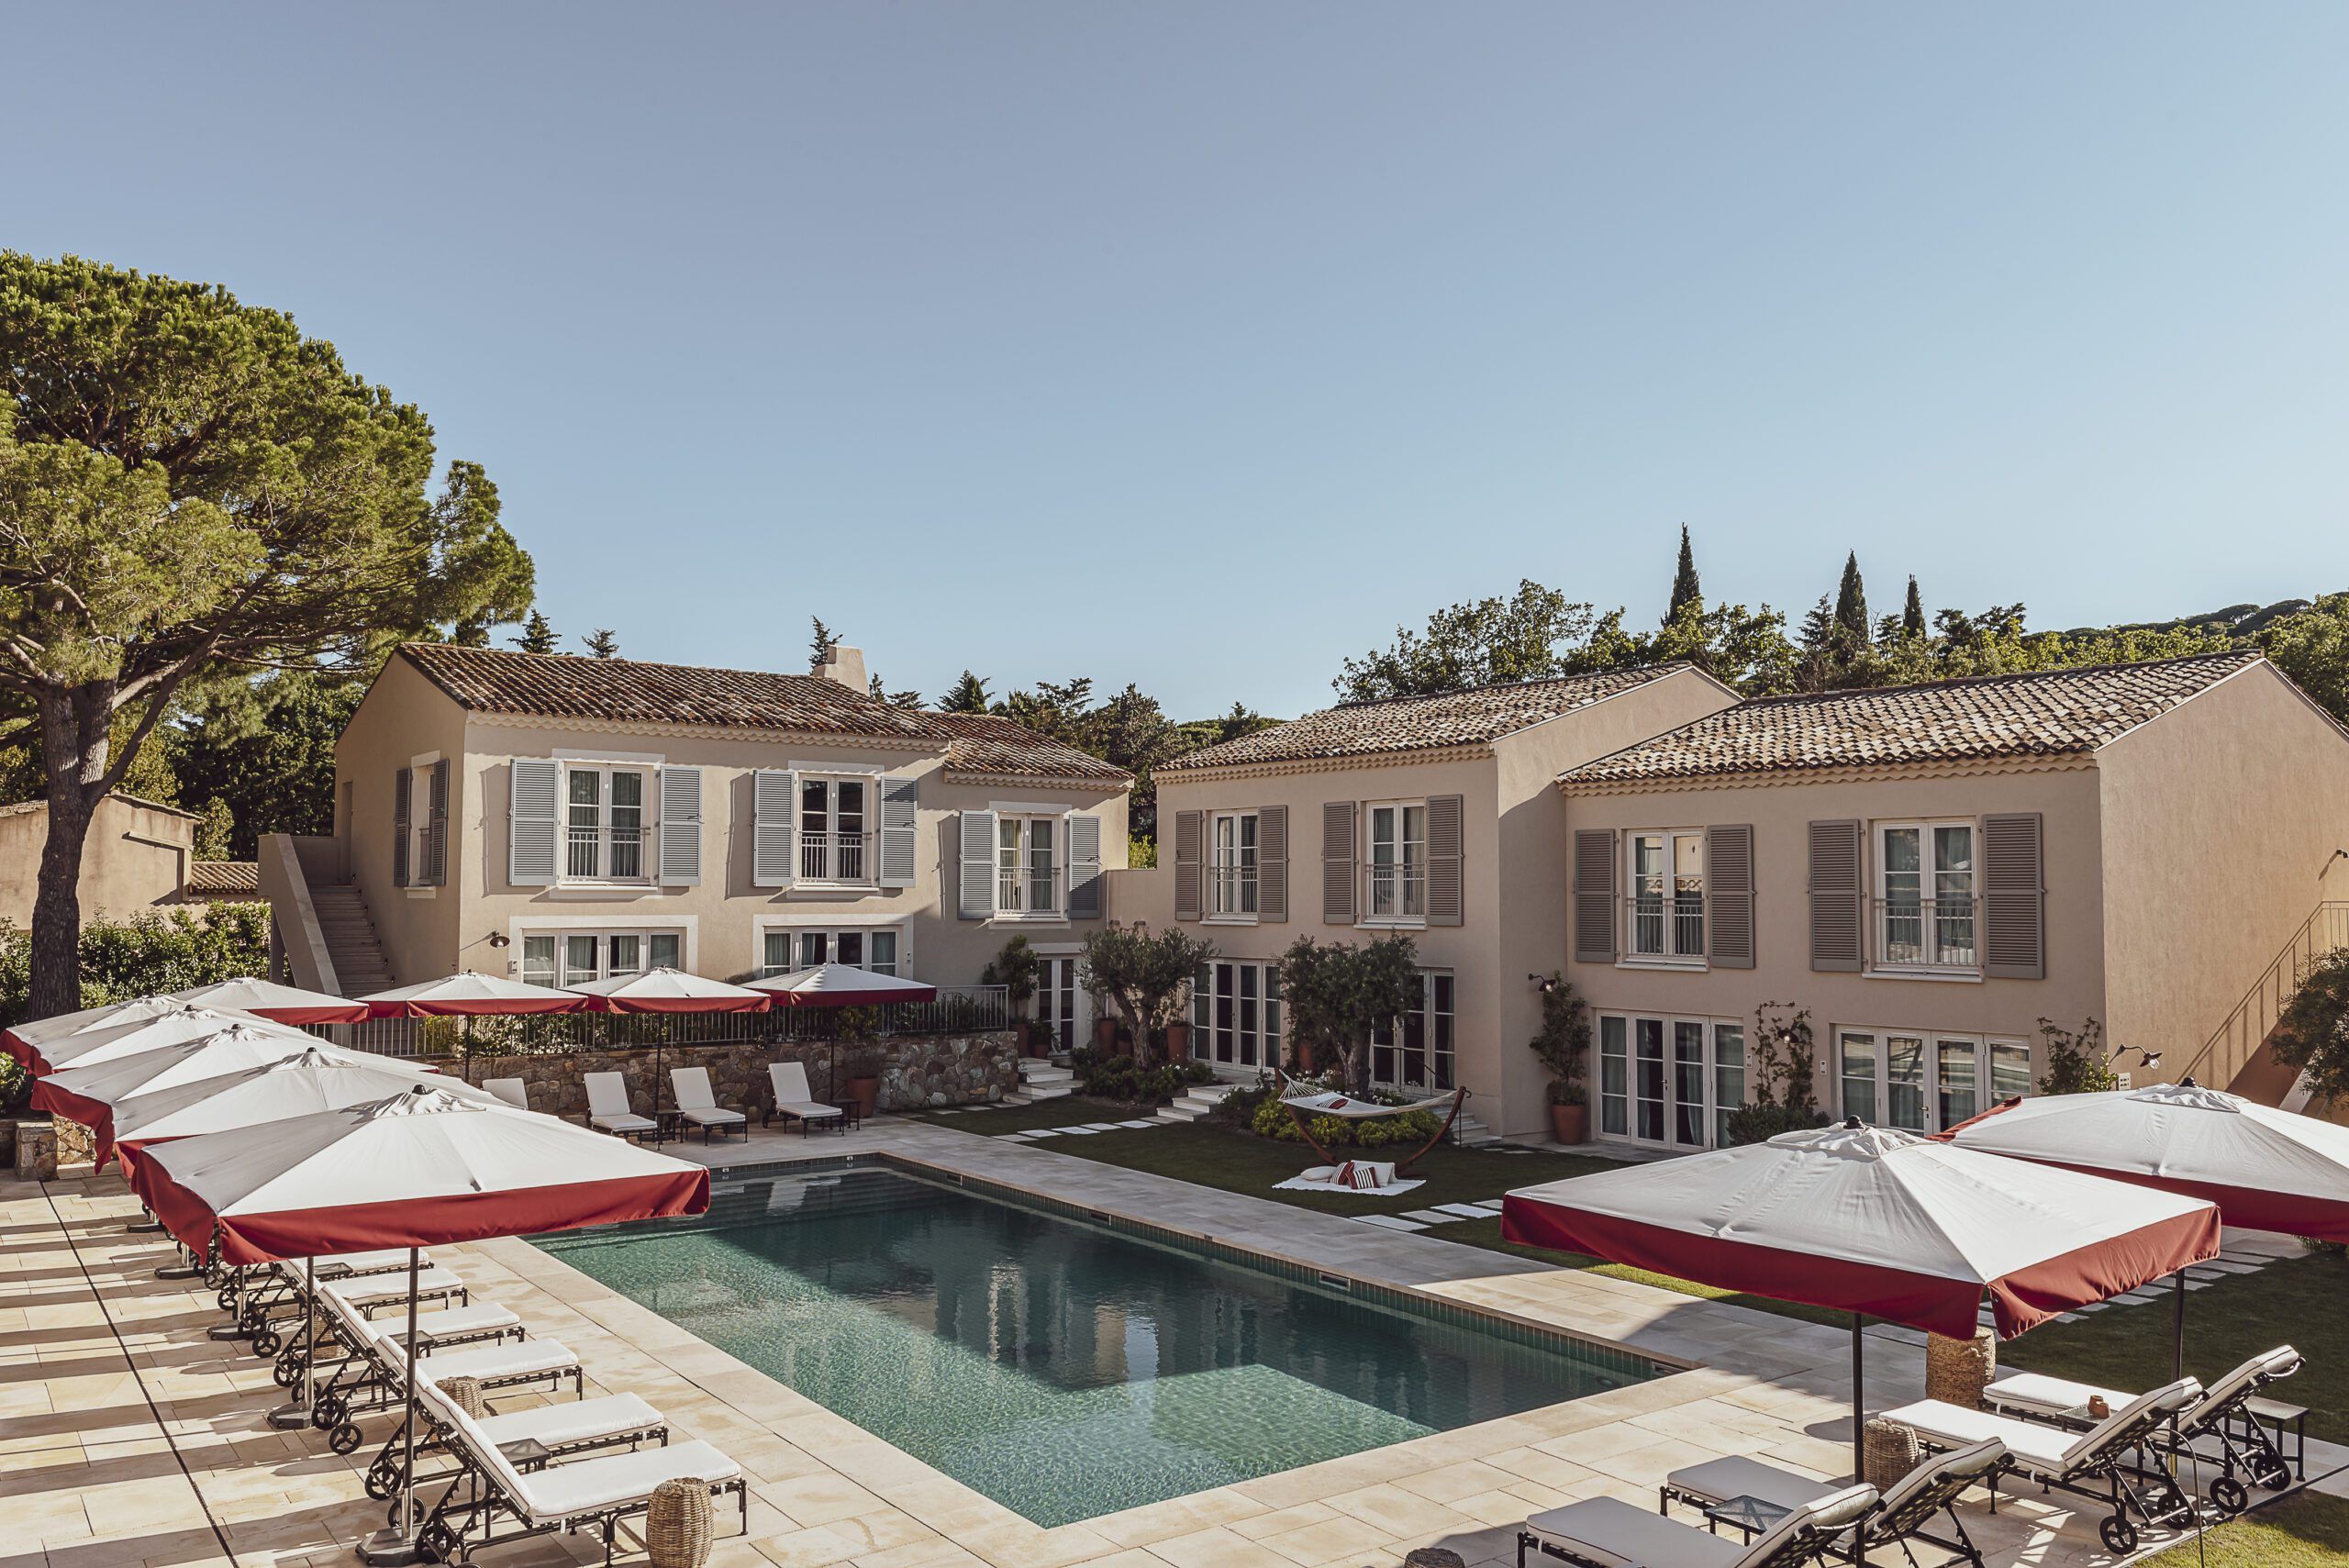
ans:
(279, 1004)
(470, 995)
(666, 990)
(25, 1043)
(133, 1035)
(1877, 1223)
(91, 1092)
(424, 1168)
(318, 1079)
(2266, 1169)
(842, 985)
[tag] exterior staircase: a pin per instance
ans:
(352, 942)
(1196, 1102)
(1040, 1080)
(2236, 1057)
(1469, 1131)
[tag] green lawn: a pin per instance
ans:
(2301, 1531)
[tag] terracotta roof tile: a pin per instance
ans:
(1414, 724)
(224, 879)
(2043, 713)
(629, 691)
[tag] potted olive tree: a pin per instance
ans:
(1334, 995)
(1149, 979)
(1015, 969)
(1564, 1045)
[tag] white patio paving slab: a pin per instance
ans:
(92, 1481)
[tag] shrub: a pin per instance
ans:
(2312, 1033)
(2075, 1062)
(1271, 1120)
(1333, 995)
(14, 1085)
(1238, 1108)
(1122, 1078)
(1015, 969)
(1761, 1123)
(1564, 1041)
(151, 953)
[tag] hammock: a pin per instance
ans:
(1349, 1107)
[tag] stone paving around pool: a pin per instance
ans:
(131, 1438)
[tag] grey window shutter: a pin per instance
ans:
(680, 827)
(977, 902)
(435, 829)
(1594, 895)
(774, 803)
(2014, 896)
(1272, 863)
(532, 785)
(900, 815)
(1729, 896)
(1187, 831)
(1444, 849)
(1337, 863)
(1084, 866)
(403, 784)
(1838, 908)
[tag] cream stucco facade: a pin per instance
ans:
(136, 856)
(478, 916)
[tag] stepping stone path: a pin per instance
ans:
(1388, 1221)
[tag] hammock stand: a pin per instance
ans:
(1351, 1109)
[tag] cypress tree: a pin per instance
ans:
(1852, 604)
(1912, 614)
(536, 636)
(1684, 591)
(603, 643)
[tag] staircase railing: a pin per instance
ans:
(299, 939)
(2233, 1045)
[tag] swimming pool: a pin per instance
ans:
(1064, 1368)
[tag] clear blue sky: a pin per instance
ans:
(1198, 345)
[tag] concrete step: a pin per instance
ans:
(1195, 1102)
(1034, 1095)
(1036, 1070)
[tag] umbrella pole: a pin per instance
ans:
(2177, 1325)
(659, 1041)
(1859, 1404)
(297, 1414)
(397, 1544)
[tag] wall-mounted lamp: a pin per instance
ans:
(1545, 981)
(2150, 1059)
(500, 939)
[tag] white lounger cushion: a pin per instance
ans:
(2039, 1450)
(494, 1364)
(696, 1100)
(579, 1486)
(607, 1105)
(488, 1318)
(1610, 1530)
(578, 1421)
(792, 1095)
(2037, 1392)
(341, 1264)
(706, 1116)
(373, 1290)
(513, 1091)
(1718, 1479)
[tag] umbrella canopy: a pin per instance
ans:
(666, 990)
(842, 985)
(2266, 1169)
(280, 1004)
(25, 1041)
(470, 995)
(91, 1093)
(113, 1041)
(1871, 1220)
(423, 1168)
(318, 1079)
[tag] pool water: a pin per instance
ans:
(1061, 1368)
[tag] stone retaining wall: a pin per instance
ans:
(915, 1072)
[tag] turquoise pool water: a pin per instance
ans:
(1062, 1368)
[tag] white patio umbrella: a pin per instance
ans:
(2266, 1169)
(279, 1004)
(1876, 1223)
(420, 1169)
(666, 991)
(842, 985)
(132, 1034)
(30, 1043)
(470, 995)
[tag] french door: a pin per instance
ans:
(1063, 1008)
(1669, 1082)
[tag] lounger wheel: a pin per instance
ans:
(438, 1543)
(381, 1481)
(267, 1343)
(344, 1439)
(286, 1373)
(2271, 1471)
(328, 1412)
(225, 1296)
(2230, 1497)
(2119, 1535)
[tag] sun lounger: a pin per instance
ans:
(1898, 1516)
(1607, 1532)
(503, 1498)
(513, 1091)
(607, 1107)
(2119, 1461)
(699, 1106)
(794, 1102)
(375, 1372)
(2247, 1452)
(561, 1430)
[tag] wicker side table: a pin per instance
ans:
(1957, 1371)
(1889, 1452)
(677, 1529)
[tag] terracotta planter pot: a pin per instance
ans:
(1105, 1035)
(862, 1092)
(1570, 1123)
(1178, 1043)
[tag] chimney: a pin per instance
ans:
(846, 665)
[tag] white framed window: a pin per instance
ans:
(835, 830)
(1395, 863)
(1231, 865)
(1670, 1081)
(1925, 896)
(1414, 1052)
(1667, 883)
(1236, 1014)
(607, 822)
(1027, 865)
(579, 956)
(784, 949)
(419, 830)
(1923, 1081)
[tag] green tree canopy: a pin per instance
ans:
(1336, 994)
(602, 643)
(1525, 637)
(188, 483)
(968, 695)
(536, 636)
(1685, 594)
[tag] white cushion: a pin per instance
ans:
(2048, 1396)
(626, 1121)
(2039, 1450)
(345, 1263)
(1718, 1479)
(1610, 1530)
(606, 1095)
(806, 1109)
(790, 1081)
(513, 1091)
(702, 1116)
(371, 1290)
(484, 1318)
(495, 1363)
(590, 1485)
(573, 1422)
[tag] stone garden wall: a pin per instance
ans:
(915, 1071)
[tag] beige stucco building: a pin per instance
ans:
(1434, 815)
(138, 855)
(561, 819)
(1930, 872)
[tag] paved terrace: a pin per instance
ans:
(131, 1438)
